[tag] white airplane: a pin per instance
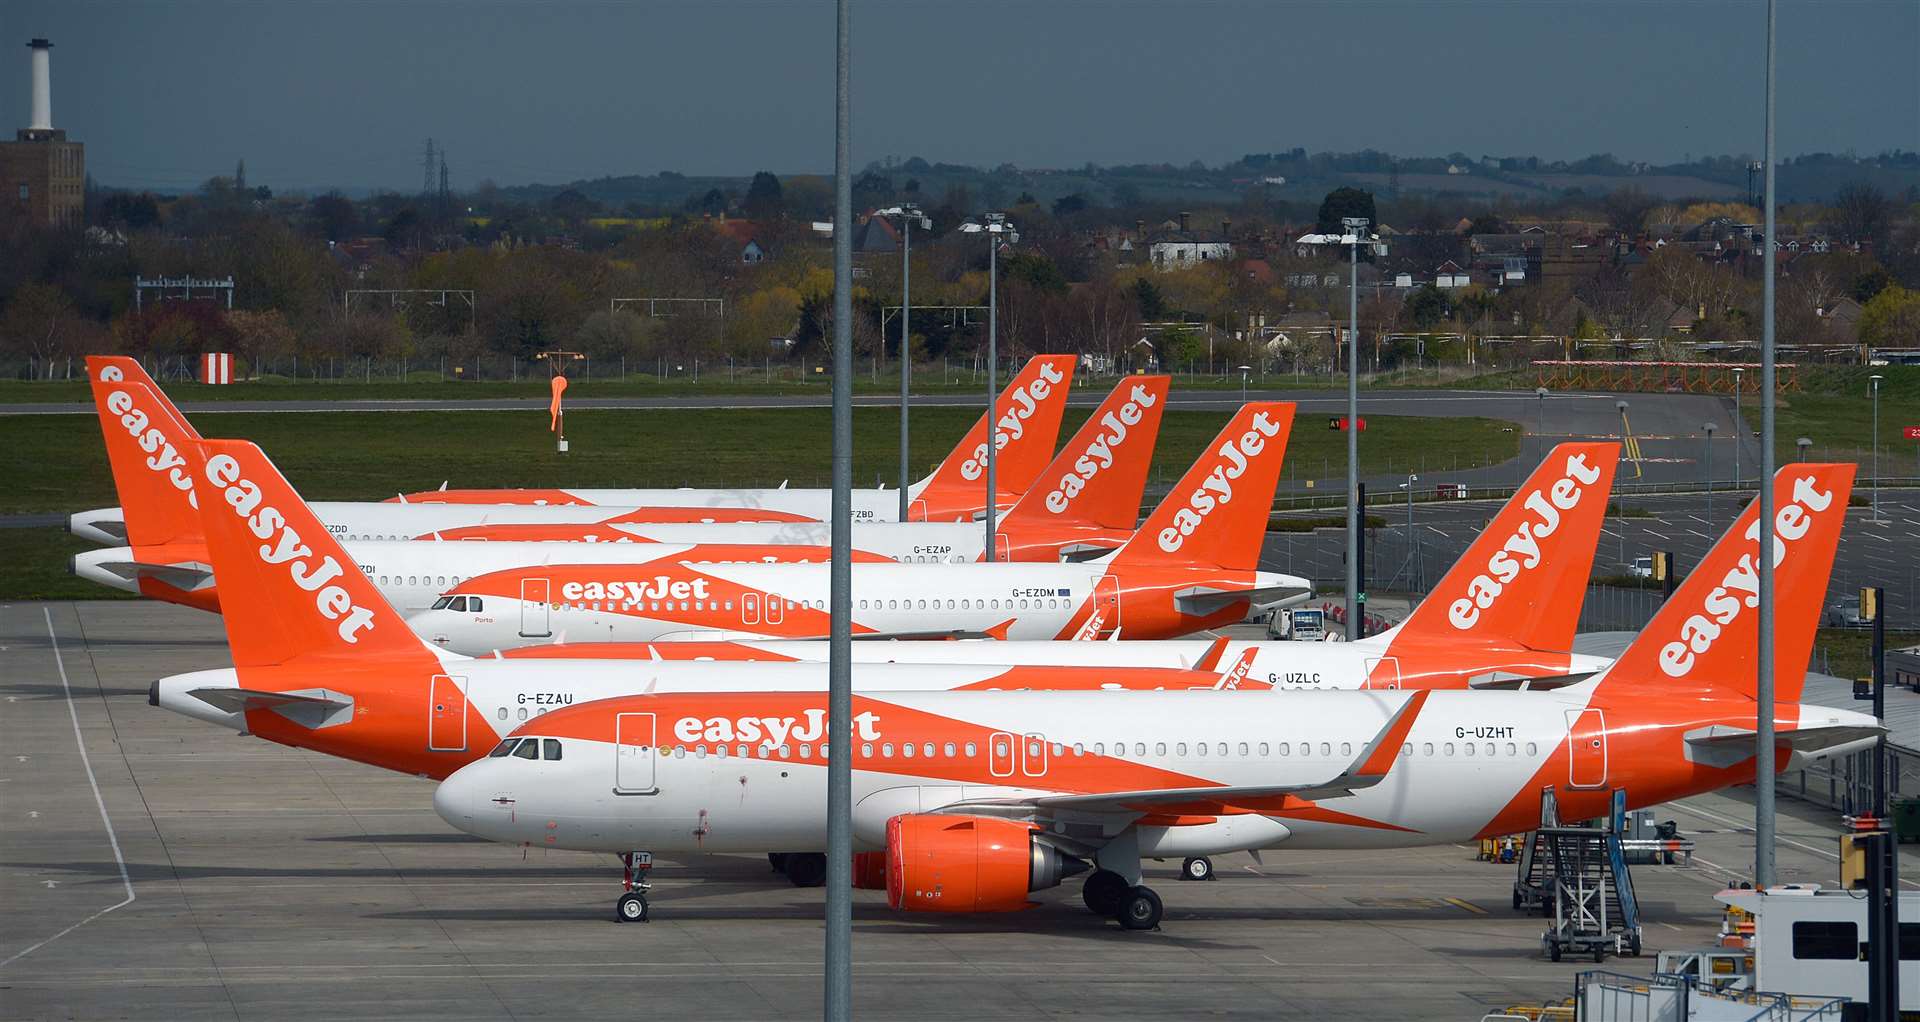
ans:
(1504, 615)
(1192, 565)
(970, 801)
(1027, 423)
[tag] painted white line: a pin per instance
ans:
(86, 761)
(1747, 828)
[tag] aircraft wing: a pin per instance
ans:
(1368, 769)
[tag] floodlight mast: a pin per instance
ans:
(837, 997)
(999, 230)
(908, 214)
(1356, 627)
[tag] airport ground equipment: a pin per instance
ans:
(1579, 875)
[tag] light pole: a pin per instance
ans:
(1354, 227)
(1413, 543)
(1243, 383)
(1764, 836)
(996, 227)
(1541, 393)
(1873, 383)
(837, 962)
(1739, 426)
(1708, 457)
(1801, 446)
(908, 215)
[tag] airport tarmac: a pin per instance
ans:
(155, 867)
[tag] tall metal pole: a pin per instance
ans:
(1874, 382)
(1355, 627)
(1708, 458)
(1763, 786)
(838, 999)
(993, 376)
(1739, 429)
(906, 348)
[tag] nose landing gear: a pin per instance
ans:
(632, 906)
(1197, 868)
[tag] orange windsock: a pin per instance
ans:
(553, 407)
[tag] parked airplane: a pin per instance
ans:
(970, 801)
(1503, 614)
(322, 661)
(1028, 426)
(1084, 504)
(1192, 565)
(167, 559)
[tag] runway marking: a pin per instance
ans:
(1468, 905)
(1743, 828)
(86, 761)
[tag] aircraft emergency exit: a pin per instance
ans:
(971, 801)
(1192, 565)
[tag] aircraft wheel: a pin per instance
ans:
(631, 908)
(778, 860)
(1197, 868)
(1102, 892)
(807, 869)
(1140, 909)
(1553, 951)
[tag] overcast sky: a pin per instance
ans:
(331, 92)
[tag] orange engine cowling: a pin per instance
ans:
(939, 863)
(869, 871)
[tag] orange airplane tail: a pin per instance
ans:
(1217, 513)
(287, 588)
(1100, 475)
(1520, 582)
(1706, 636)
(1026, 424)
(147, 441)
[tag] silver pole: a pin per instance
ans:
(838, 999)
(906, 348)
(1763, 787)
(1707, 457)
(993, 374)
(1874, 382)
(1354, 510)
(1739, 430)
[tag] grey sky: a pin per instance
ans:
(328, 92)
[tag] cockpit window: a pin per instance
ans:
(550, 749)
(459, 603)
(473, 604)
(529, 749)
(503, 748)
(441, 603)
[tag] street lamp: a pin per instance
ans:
(1353, 239)
(1802, 444)
(908, 215)
(1413, 542)
(1709, 463)
(1873, 383)
(1244, 370)
(999, 230)
(1739, 426)
(1541, 393)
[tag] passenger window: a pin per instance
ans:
(529, 749)
(1467, 748)
(886, 749)
(1263, 750)
(503, 748)
(550, 749)
(1346, 748)
(523, 713)
(1159, 748)
(1532, 749)
(806, 751)
(1426, 748)
(948, 749)
(1243, 750)
(866, 749)
(502, 714)
(972, 750)
(1326, 748)
(1140, 749)
(1286, 749)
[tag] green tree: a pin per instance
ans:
(1152, 306)
(1892, 319)
(1342, 203)
(763, 196)
(1427, 306)
(1035, 270)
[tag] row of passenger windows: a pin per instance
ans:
(1048, 603)
(1200, 750)
(442, 581)
(527, 748)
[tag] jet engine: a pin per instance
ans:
(938, 863)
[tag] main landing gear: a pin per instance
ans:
(804, 869)
(1134, 907)
(632, 906)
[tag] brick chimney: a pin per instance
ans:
(1185, 217)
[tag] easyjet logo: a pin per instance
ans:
(1013, 425)
(284, 547)
(1216, 488)
(810, 726)
(1739, 588)
(161, 455)
(1520, 552)
(660, 587)
(1116, 426)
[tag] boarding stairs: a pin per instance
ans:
(1578, 875)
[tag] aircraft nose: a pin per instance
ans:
(472, 800)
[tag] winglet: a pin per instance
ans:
(1376, 760)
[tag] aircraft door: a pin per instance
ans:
(1033, 754)
(776, 609)
(1000, 754)
(634, 755)
(1587, 738)
(534, 594)
(447, 714)
(1002, 547)
(1107, 602)
(1382, 672)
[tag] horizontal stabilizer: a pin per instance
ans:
(310, 708)
(1502, 681)
(1723, 745)
(1200, 601)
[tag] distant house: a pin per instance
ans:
(746, 234)
(1183, 246)
(875, 235)
(1451, 274)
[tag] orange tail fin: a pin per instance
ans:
(287, 589)
(1707, 634)
(1521, 582)
(1101, 474)
(1026, 426)
(146, 442)
(1217, 512)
